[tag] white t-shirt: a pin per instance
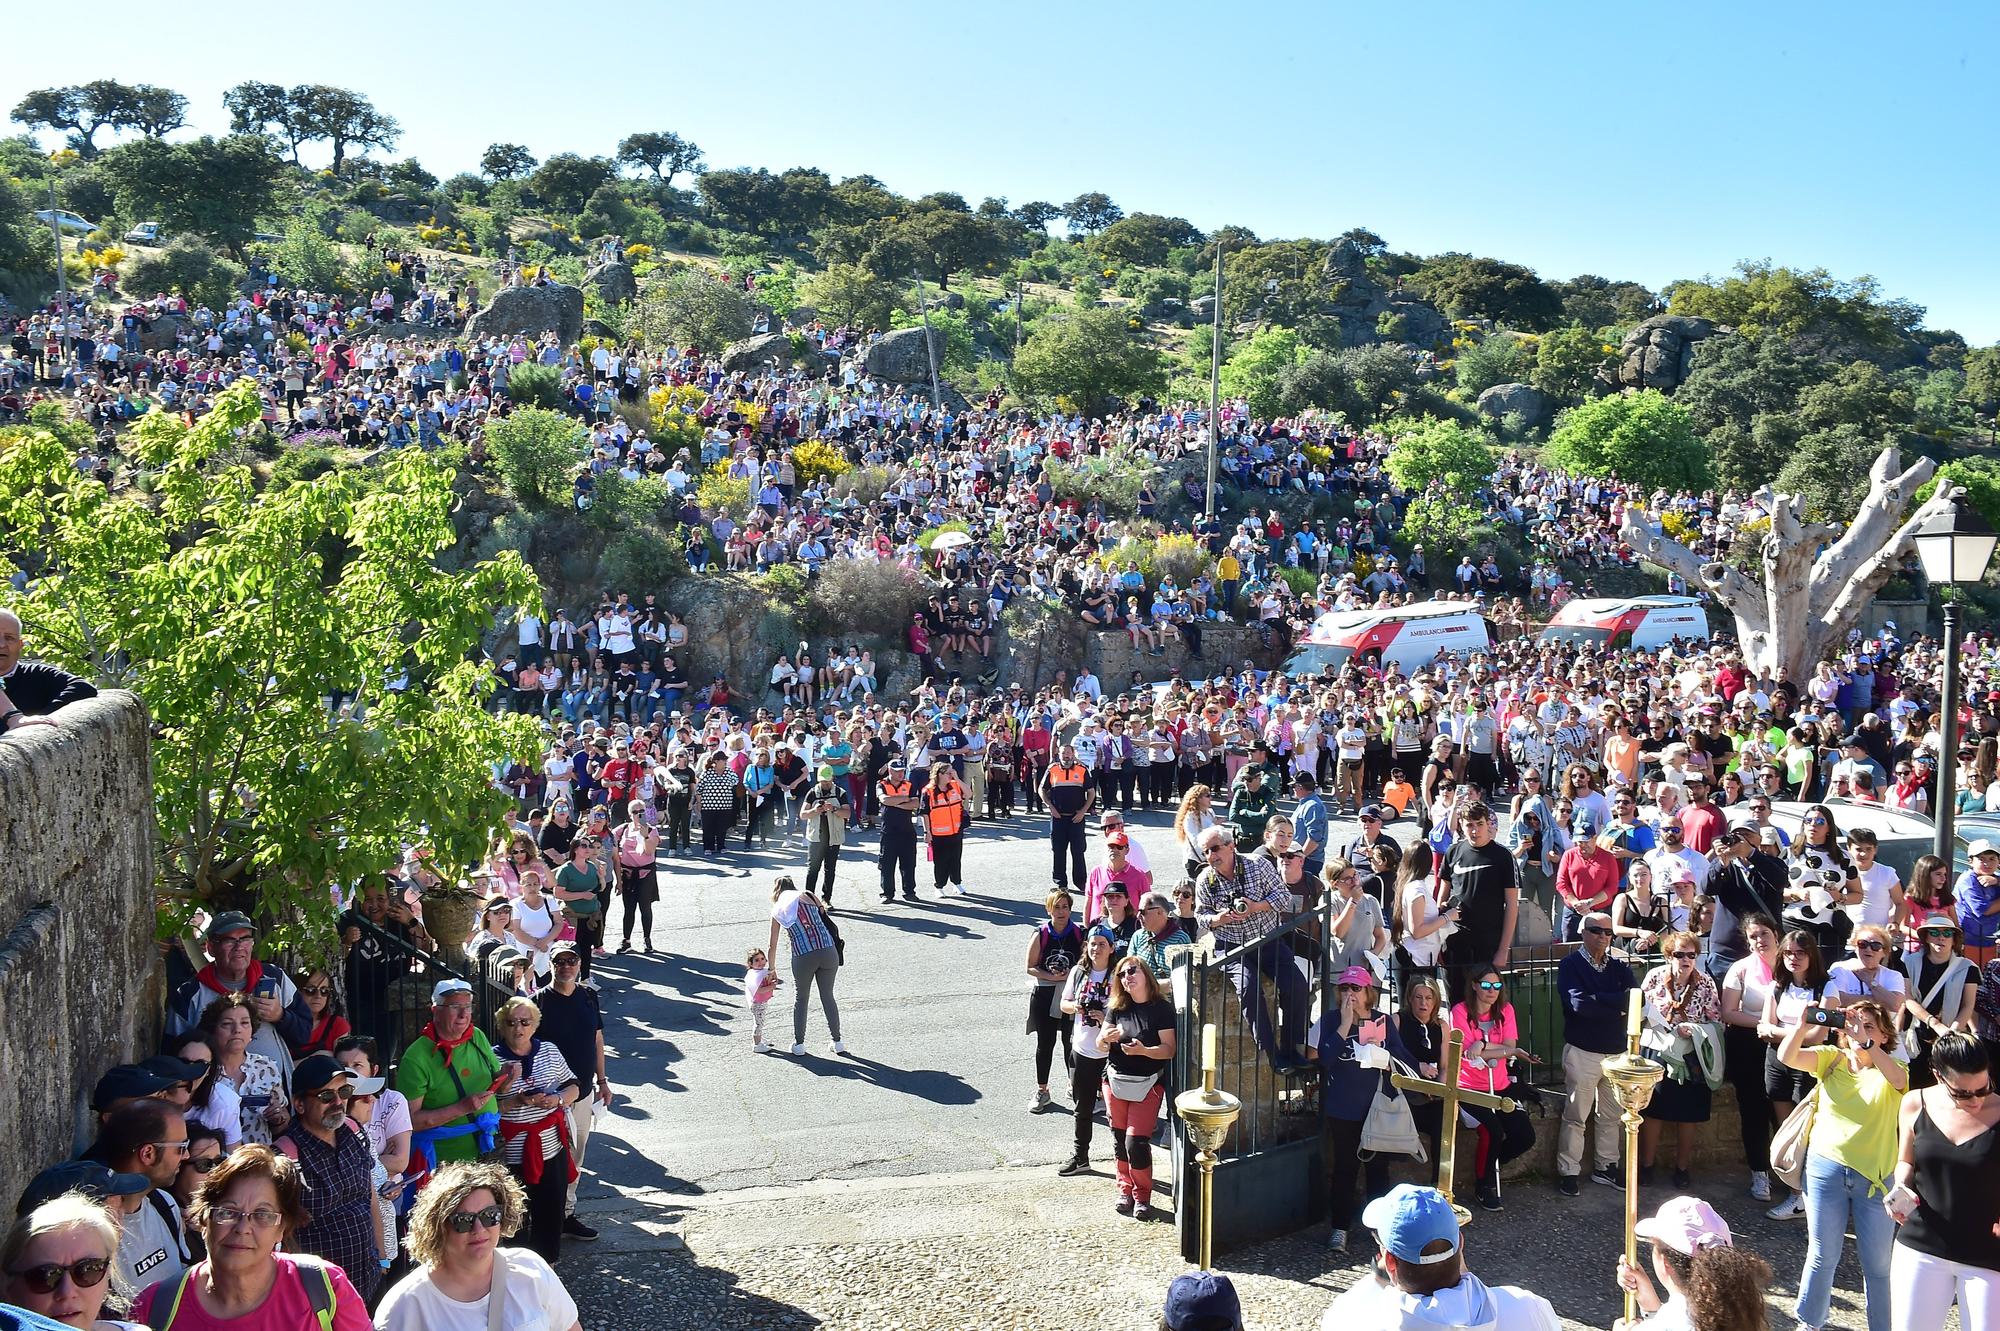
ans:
(1844, 978)
(1419, 908)
(1876, 905)
(536, 1301)
(1747, 978)
(1469, 1303)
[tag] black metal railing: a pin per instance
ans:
(388, 984)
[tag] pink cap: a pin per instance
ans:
(1687, 1225)
(1358, 975)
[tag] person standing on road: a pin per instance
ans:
(815, 956)
(1067, 790)
(944, 824)
(825, 812)
(900, 804)
(1139, 1041)
(1055, 948)
(1595, 988)
(573, 1021)
(1085, 996)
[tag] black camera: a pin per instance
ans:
(1831, 1018)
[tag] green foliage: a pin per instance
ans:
(1440, 522)
(1596, 303)
(779, 290)
(1567, 361)
(1939, 401)
(1252, 371)
(644, 557)
(718, 492)
(234, 613)
(1378, 376)
(1982, 383)
(505, 161)
(871, 597)
(1440, 451)
(786, 585)
(567, 180)
(1160, 556)
(186, 267)
(1498, 359)
(849, 294)
(212, 187)
(691, 309)
(536, 452)
(1146, 238)
(1639, 437)
(103, 104)
(1828, 468)
(1468, 287)
(303, 462)
(1087, 359)
(1112, 478)
(1300, 580)
(1391, 326)
(1809, 305)
(1091, 213)
(621, 505)
(1978, 477)
(306, 257)
(24, 247)
(664, 153)
(534, 385)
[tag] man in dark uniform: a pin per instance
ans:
(900, 802)
(31, 690)
(1067, 789)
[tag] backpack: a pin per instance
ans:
(314, 1277)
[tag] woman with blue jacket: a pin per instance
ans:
(1348, 1088)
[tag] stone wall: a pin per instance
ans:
(81, 985)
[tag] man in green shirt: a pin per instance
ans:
(450, 1072)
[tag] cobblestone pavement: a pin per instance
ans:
(907, 1186)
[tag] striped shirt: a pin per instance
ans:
(804, 925)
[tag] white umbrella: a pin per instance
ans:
(950, 540)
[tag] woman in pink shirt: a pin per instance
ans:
(1485, 1019)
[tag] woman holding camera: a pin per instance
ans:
(1851, 1151)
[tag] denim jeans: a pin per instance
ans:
(1834, 1195)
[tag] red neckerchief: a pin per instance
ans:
(253, 973)
(444, 1046)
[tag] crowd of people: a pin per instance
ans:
(1616, 805)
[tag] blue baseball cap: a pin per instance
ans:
(1203, 1301)
(85, 1176)
(1409, 1219)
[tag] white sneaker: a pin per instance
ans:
(958, 889)
(1792, 1208)
(798, 1050)
(1760, 1186)
(760, 1048)
(839, 1048)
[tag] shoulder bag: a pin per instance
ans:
(1391, 1127)
(1791, 1142)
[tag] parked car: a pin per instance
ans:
(146, 233)
(65, 220)
(1901, 836)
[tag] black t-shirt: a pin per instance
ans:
(556, 839)
(1480, 877)
(1143, 1023)
(571, 1022)
(1740, 890)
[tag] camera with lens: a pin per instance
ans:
(1831, 1018)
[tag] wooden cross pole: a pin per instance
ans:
(1447, 1089)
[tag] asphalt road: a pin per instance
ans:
(939, 1074)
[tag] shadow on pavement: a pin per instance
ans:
(673, 1292)
(634, 1171)
(938, 1088)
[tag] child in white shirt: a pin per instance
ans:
(760, 982)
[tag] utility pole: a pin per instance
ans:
(62, 278)
(1215, 386)
(930, 352)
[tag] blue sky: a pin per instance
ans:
(1649, 142)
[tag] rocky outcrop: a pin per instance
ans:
(1657, 353)
(615, 283)
(161, 333)
(1504, 400)
(773, 349)
(899, 357)
(530, 312)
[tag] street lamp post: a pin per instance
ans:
(1955, 546)
(1214, 386)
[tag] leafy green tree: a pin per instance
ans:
(24, 246)
(1145, 238)
(1599, 303)
(787, 204)
(1829, 469)
(84, 109)
(186, 267)
(1466, 286)
(948, 241)
(665, 153)
(506, 161)
(1639, 437)
(1391, 326)
(1317, 381)
(1860, 394)
(1567, 361)
(1087, 359)
(693, 310)
(1982, 385)
(537, 451)
(1939, 400)
(1980, 478)
(848, 293)
(1808, 305)
(1438, 451)
(410, 179)
(566, 181)
(1253, 371)
(307, 257)
(214, 187)
(1378, 374)
(257, 108)
(1498, 359)
(235, 614)
(1090, 213)
(1037, 215)
(344, 119)
(1442, 522)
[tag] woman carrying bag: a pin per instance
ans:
(1349, 1087)
(1139, 1042)
(1684, 1035)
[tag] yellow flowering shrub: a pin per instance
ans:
(813, 460)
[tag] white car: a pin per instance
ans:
(146, 233)
(66, 220)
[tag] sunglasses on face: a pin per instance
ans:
(1686, 956)
(1598, 929)
(1976, 1093)
(461, 1222)
(1867, 945)
(203, 1165)
(48, 1277)
(1940, 933)
(314, 990)
(1491, 986)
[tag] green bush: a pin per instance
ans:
(1112, 477)
(642, 559)
(536, 386)
(186, 267)
(303, 463)
(536, 453)
(869, 597)
(786, 586)
(718, 492)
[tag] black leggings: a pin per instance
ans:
(1086, 1080)
(1046, 1035)
(946, 854)
(1744, 1053)
(678, 837)
(548, 1205)
(641, 905)
(1512, 1134)
(1341, 1140)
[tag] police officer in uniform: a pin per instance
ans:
(944, 824)
(1066, 786)
(900, 804)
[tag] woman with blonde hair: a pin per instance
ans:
(455, 1234)
(1195, 815)
(535, 1122)
(60, 1260)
